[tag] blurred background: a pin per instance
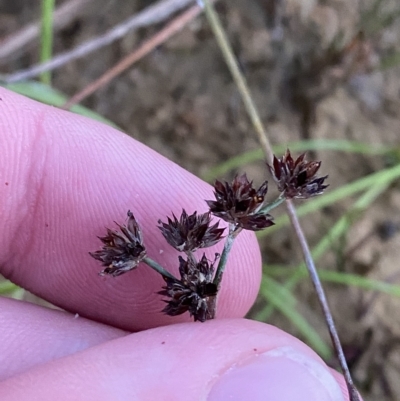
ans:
(325, 76)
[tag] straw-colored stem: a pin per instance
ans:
(238, 77)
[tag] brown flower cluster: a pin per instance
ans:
(240, 203)
(191, 232)
(122, 250)
(297, 178)
(194, 292)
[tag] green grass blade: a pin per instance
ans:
(300, 272)
(283, 300)
(349, 279)
(267, 289)
(46, 37)
(7, 287)
(46, 94)
(343, 224)
(315, 144)
(356, 280)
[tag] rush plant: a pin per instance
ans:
(238, 203)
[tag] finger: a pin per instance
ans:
(32, 335)
(63, 178)
(218, 361)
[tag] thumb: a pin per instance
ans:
(220, 360)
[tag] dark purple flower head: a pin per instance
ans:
(190, 233)
(194, 292)
(122, 250)
(297, 178)
(239, 203)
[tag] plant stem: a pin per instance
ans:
(158, 268)
(238, 77)
(46, 44)
(322, 299)
(191, 257)
(241, 84)
(269, 206)
(233, 232)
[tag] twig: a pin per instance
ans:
(160, 37)
(226, 49)
(149, 16)
(63, 15)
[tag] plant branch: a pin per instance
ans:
(233, 232)
(159, 38)
(272, 205)
(227, 52)
(151, 15)
(158, 268)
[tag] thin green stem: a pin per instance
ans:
(158, 268)
(233, 233)
(269, 206)
(46, 37)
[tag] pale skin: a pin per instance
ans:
(63, 178)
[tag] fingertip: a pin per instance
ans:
(233, 359)
(281, 374)
(69, 177)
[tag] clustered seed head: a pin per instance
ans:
(122, 250)
(297, 178)
(194, 292)
(190, 232)
(239, 203)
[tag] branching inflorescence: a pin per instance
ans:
(241, 205)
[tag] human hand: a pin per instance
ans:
(63, 179)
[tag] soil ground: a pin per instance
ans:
(316, 70)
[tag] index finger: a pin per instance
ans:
(63, 178)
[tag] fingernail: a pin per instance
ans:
(281, 374)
